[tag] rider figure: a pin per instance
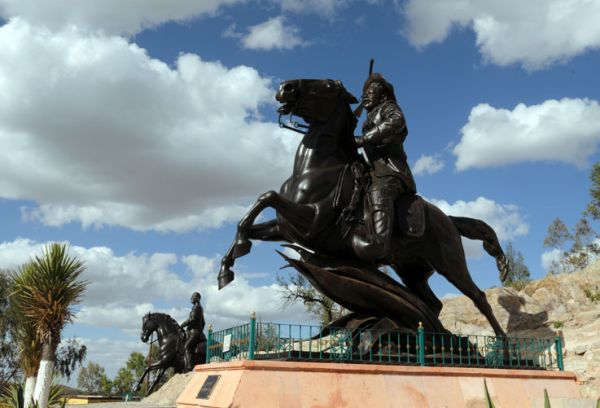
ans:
(195, 325)
(384, 131)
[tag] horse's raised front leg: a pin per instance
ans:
(294, 213)
(141, 380)
(156, 380)
(154, 366)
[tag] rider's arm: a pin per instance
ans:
(202, 323)
(194, 315)
(393, 126)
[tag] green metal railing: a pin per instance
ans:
(259, 341)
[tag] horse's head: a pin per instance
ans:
(314, 100)
(149, 325)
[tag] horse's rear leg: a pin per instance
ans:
(453, 267)
(415, 277)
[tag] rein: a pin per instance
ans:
(167, 323)
(292, 124)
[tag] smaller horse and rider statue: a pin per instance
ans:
(347, 215)
(178, 348)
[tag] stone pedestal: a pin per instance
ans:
(264, 384)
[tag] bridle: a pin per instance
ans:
(292, 124)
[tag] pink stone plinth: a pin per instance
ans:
(265, 384)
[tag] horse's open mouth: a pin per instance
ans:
(286, 107)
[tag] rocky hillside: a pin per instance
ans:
(569, 303)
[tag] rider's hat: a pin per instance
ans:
(388, 88)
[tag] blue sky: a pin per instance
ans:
(119, 120)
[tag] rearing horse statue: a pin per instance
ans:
(309, 205)
(170, 337)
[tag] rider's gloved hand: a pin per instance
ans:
(359, 141)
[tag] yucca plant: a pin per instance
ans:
(488, 400)
(546, 399)
(51, 289)
(27, 341)
(13, 397)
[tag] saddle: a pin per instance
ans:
(409, 208)
(410, 215)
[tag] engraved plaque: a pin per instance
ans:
(208, 386)
(226, 343)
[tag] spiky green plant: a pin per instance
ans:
(546, 399)
(47, 297)
(27, 340)
(12, 396)
(25, 335)
(488, 399)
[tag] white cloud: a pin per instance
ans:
(325, 8)
(99, 133)
(123, 288)
(503, 218)
(108, 16)
(535, 33)
(109, 353)
(427, 165)
(566, 130)
(231, 32)
(274, 33)
(551, 259)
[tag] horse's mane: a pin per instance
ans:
(165, 318)
(346, 129)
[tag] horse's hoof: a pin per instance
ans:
(242, 247)
(503, 267)
(225, 277)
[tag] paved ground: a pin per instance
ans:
(122, 404)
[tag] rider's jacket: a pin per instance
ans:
(384, 131)
(196, 319)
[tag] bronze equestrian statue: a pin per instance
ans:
(176, 348)
(321, 206)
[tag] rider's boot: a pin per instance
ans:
(378, 244)
(383, 218)
(187, 361)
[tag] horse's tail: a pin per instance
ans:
(476, 229)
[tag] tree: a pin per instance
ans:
(124, 381)
(296, 288)
(593, 208)
(69, 356)
(53, 290)
(92, 379)
(128, 376)
(557, 236)
(25, 333)
(518, 272)
(137, 364)
(583, 247)
(8, 353)
(70, 353)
